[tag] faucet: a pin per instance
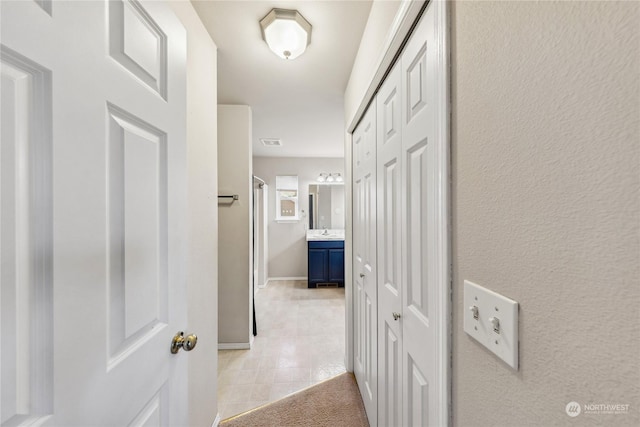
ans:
(325, 232)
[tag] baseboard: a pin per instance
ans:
(234, 345)
(273, 279)
(216, 422)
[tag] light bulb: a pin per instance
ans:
(330, 178)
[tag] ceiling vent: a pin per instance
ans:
(271, 142)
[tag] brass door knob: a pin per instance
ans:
(396, 316)
(180, 342)
(361, 274)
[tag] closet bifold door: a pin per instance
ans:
(364, 262)
(422, 225)
(389, 215)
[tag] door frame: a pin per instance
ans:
(405, 20)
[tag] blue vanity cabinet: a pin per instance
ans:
(326, 262)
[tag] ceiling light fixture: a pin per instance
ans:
(321, 177)
(338, 177)
(330, 178)
(286, 32)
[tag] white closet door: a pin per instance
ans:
(424, 227)
(389, 215)
(364, 261)
(93, 172)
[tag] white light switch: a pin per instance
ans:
(492, 320)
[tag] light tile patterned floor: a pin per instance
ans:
(300, 342)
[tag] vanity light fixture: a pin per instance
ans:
(329, 177)
(286, 32)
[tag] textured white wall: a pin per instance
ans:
(287, 241)
(376, 32)
(202, 258)
(545, 155)
(235, 224)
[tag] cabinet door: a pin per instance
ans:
(336, 265)
(318, 260)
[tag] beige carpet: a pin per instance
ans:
(335, 402)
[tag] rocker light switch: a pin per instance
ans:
(492, 320)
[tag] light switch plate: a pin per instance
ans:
(491, 305)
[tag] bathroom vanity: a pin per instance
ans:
(325, 254)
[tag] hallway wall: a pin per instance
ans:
(546, 208)
(288, 240)
(235, 244)
(381, 19)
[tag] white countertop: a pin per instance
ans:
(319, 235)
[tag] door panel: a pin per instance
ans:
(138, 44)
(106, 118)
(390, 380)
(416, 209)
(417, 407)
(390, 285)
(137, 173)
(422, 315)
(25, 239)
(364, 254)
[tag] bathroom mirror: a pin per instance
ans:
(326, 206)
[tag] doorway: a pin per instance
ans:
(300, 331)
(300, 343)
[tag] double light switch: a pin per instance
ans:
(492, 320)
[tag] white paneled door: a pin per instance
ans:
(410, 212)
(92, 173)
(390, 277)
(424, 227)
(365, 301)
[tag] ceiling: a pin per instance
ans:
(299, 101)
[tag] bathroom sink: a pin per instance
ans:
(318, 235)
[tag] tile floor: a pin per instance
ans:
(300, 342)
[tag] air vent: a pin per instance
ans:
(271, 142)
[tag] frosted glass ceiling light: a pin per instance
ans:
(321, 178)
(286, 32)
(338, 177)
(330, 178)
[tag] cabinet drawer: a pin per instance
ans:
(326, 244)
